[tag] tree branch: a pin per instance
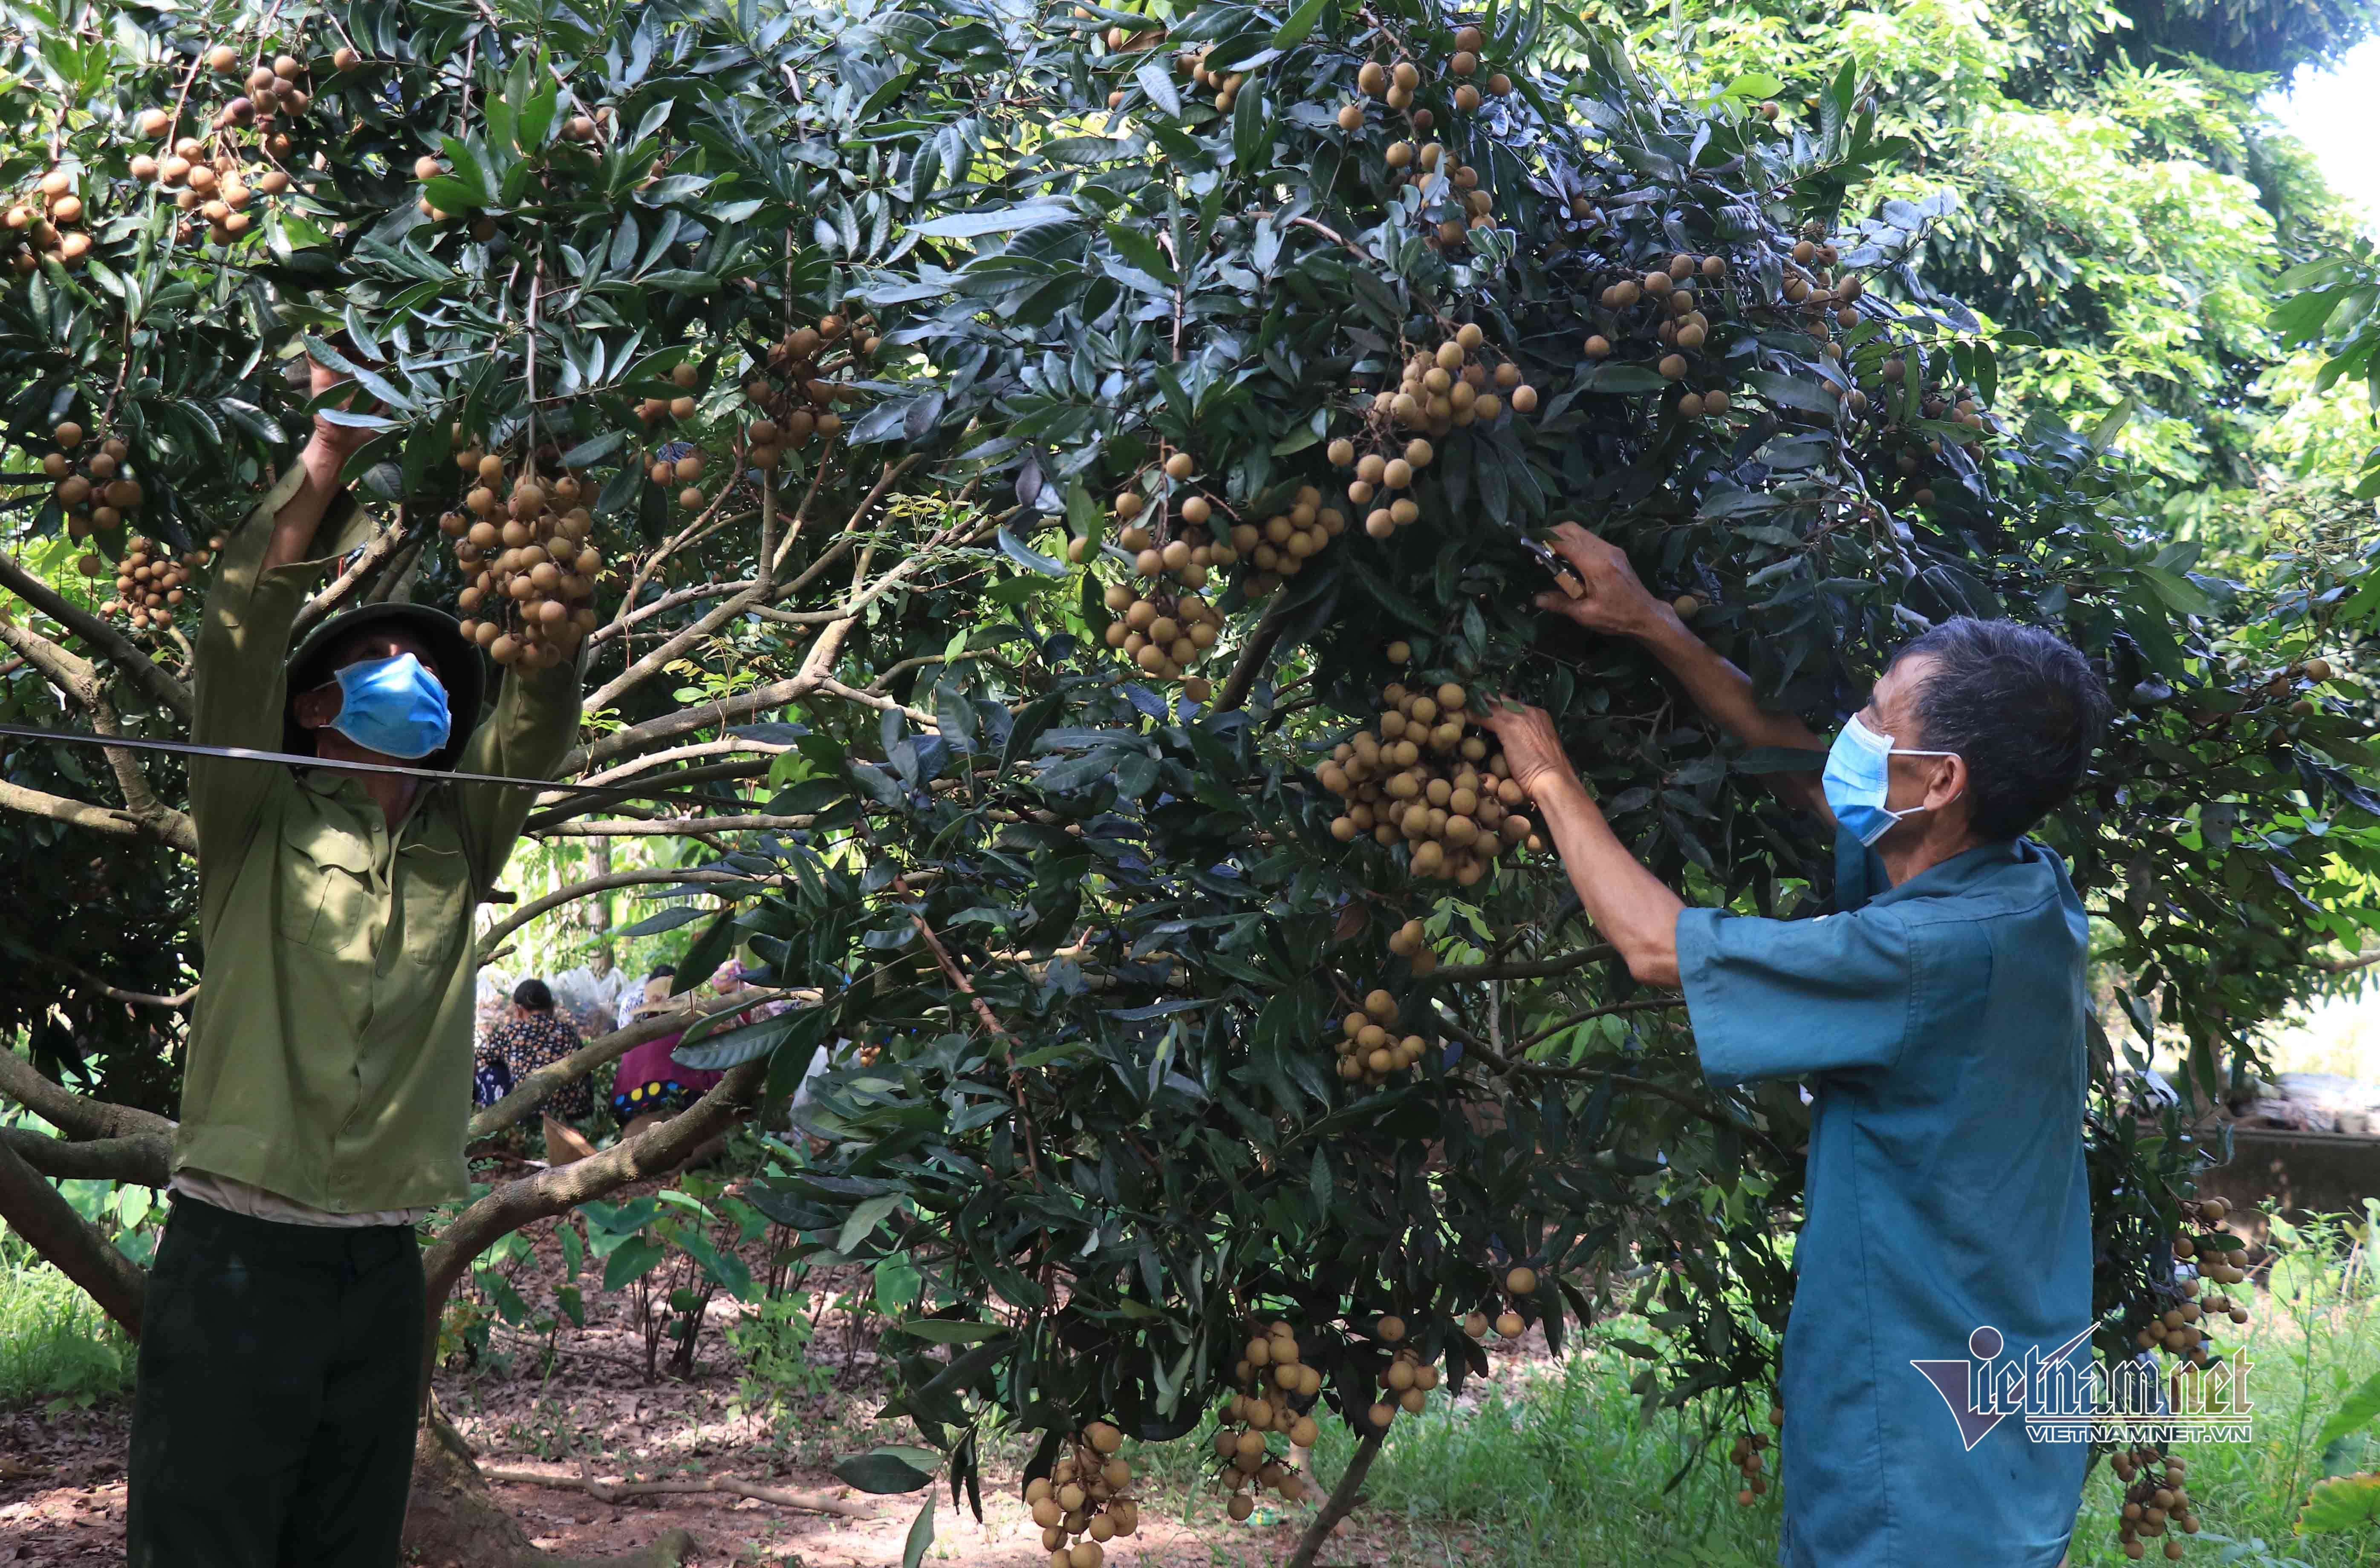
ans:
(374, 555)
(592, 886)
(651, 1152)
(617, 1492)
(78, 1115)
(145, 1160)
(675, 826)
(1342, 1501)
(113, 821)
(1525, 968)
(1254, 653)
(144, 672)
(531, 1091)
(115, 994)
(39, 1214)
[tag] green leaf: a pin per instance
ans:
(2359, 1409)
(994, 221)
(922, 1535)
(1300, 23)
(1153, 80)
(1143, 252)
(2180, 593)
(881, 1471)
(2342, 1504)
(636, 1258)
(950, 1331)
(1030, 559)
(863, 1223)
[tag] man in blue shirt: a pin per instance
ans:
(1937, 1019)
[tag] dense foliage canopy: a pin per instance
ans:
(857, 376)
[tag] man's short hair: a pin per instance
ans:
(663, 971)
(534, 994)
(2020, 705)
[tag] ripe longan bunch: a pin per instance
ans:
(1746, 1458)
(1407, 1379)
(1085, 1496)
(1449, 388)
(1520, 1282)
(1226, 85)
(1454, 202)
(45, 223)
(1369, 1048)
(1279, 1390)
(150, 579)
(1673, 295)
(1422, 777)
(1162, 623)
(523, 542)
(2157, 1501)
(797, 390)
(90, 480)
(242, 146)
(1287, 540)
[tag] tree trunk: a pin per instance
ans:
(453, 1521)
(1341, 1503)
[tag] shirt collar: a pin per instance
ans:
(1960, 872)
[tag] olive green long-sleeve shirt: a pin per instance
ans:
(330, 1058)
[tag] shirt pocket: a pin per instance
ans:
(436, 886)
(327, 888)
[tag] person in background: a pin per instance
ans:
(590, 993)
(648, 1086)
(635, 1000)
(533, 1036)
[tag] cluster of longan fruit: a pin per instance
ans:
(47, 224)
(2181, 1329)
(1463, 204)
(1749, 1465)
(1682, 327)
(1226, 85)
(2156, 1502)
(216, 178)
(1410, 943)
(1421, 779)
(1084, 1495)
(794, 390)
(1162, 623)
(524, 545)
(1369, 1051)
(1288, 540)
(150, 579)
(88, 481)
(1449, 388)
(1278, 1390)
(1407, 1379)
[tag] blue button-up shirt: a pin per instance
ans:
(1939, 1026)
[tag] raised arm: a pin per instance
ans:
(1617, 603)
(1633, 909)
(260, 584)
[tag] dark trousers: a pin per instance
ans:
(273, 1416)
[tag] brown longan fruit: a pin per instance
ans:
(1179, 466)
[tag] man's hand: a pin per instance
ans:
(1615, 602)
(1532, 753)
(340, 441)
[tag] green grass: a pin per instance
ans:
(1554, 1469)
(54, 1342)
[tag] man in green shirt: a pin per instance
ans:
(326, 1081)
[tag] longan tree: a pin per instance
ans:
(1040, 498)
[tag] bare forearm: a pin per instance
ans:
(300, 517)
(1635, 910)
(1719, 688)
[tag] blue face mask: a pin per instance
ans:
(1859, 778)
(393, 705)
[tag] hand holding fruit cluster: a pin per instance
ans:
(1085, 1496)
(1278, 1390)
(1421, 778)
